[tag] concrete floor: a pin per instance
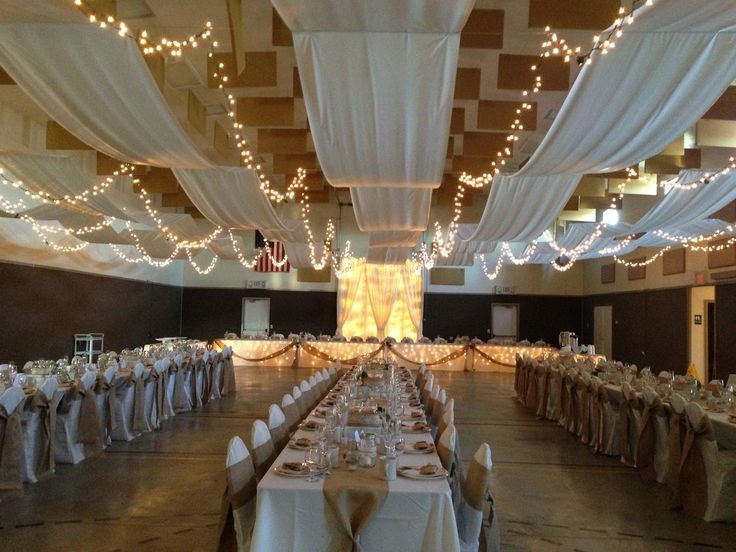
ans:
(162, 491)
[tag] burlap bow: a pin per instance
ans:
(228, 375)
(88, 430)
(110, 391)
(569, 403)
(140, 421)
(46, 410)
(240, 490)
(181, 403)
(11, 449)
(530, 394)
(585, 406)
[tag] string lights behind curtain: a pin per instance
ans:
(380, 300)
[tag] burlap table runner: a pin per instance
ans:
(354, 498)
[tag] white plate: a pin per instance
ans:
(288, 473)
(411, 450)
(413, 473)
(293, 445)
(305, 428)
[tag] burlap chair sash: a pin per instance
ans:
(530, 393)
(556, 383)
(88, 430)
(675, 440)
(46, 410)
(181, 403)
(626, 419)
(647, 443)
(569, 403)
(228, 375)
(240, 490)
(291, 411)
(585, 407)
(693, 486)
(263, 457)
(11, 449)
(598, 397)
(109, 389)
(517, 374)
(544, 391)
(447, 457)
(280, 436)
(475, 485)
(140, 422)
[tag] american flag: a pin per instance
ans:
(271, 263)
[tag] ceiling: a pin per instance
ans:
(499, 42)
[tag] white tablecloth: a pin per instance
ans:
(292, 515)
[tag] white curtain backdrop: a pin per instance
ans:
(622, 108)
(98, 87)
(413, 291)
(347, 291)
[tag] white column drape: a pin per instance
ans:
(414, 294)
(382, 282)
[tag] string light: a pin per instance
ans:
(60, 248)
(636, 264)
(555, 46)
(530, 250)
(706, 178)
(499, 264)
(144, 253)
(148, 46)
(201, 271)
(344, 263)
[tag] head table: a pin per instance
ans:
(293, 514)
(470, 356)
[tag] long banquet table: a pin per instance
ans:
(437, 356)
(292, 514)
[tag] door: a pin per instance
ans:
(710, 336)
(505, 320)
(256, 317)
(603, 330)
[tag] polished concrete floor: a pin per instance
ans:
(162, 491)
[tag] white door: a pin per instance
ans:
(505, 320)
(603, 330)
(256, 315)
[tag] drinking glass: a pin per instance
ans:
(312, 459)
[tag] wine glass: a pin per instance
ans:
(311, 460)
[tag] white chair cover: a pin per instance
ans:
(301, 401)
(438, 407)
(315, 390)
(124, 408)
(262, 446)
(106, 400)
(307, 395)
(278, 427)
(447, 418)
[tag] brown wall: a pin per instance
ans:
(540, 316)
(209, 312)
(42, 309)
(650, 328)
(725, 330)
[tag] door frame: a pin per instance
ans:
(242, 312)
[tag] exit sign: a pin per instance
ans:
(255, 284)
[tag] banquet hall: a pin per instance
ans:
(368, 275)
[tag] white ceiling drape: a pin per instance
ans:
(230, 197)
(98, 87)
(393, 239)
(391, 209)
(622, 108)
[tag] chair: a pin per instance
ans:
(475, 492)
(129, 391)
(426, 396)
(216, 377)
(327, 380)
(238, 512)
(609, 436)
(39, 425)
(333, 374)
(530, 397)
(228, 372)
(182, 385)
(651, 456)
(12, 402)
(320, 385)
(555, 382)
(291, 411)
(315, 390)
(261, 444)
(707, 475)
(432, 402)
(278, 427)
(77, 423)
(541, 377)
(447, 450)
(447, 418)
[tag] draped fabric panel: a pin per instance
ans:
(391, 209)
(378, 123)
(393, 239)
(413, 291)
(230, 197)
(99, 88)
(347, 291)
(382, 281)
(389, 255)
(690, 61)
